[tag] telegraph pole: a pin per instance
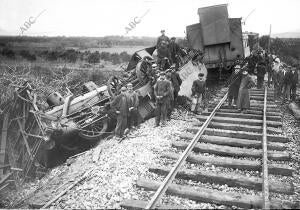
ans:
(269, 42)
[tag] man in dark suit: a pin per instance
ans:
(287, 81)
(294, 82)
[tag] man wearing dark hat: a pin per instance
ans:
(174, 50)
(233, 88)
(120, 105)
(294, 82)
(243, 102)
(162, 90)
(176, 81)
(163, 37)
(261, 70)
(163, 56)
(198, 92)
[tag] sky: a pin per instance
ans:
(98, 18)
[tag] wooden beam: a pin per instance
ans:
(225, 162)
(138, 204)
(235, 142)
(240, 134)
(201, 194)
(3, 141)
(25, 139)
(229, 178)
(232, 151)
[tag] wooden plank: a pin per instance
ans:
(256, 112)
(5, 177)
(25, 139)
(232, 151)
(244, 116)
(201, 194)
(228, 178)
(3, 141)
(239, 127)
(235, 142)
(138, 204)
(279, 169)
(243, 121)
(240, 134)
(84, 176)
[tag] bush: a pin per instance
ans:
(94, 57)
(8, 53)
(27, 55)
(70, 55)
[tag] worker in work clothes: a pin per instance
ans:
(243, 102)
(162, 89)
(286, 84)
(198, 92)
(234, 86)
(120, 105)
(163, 56)
(261, 71)
(176, 81)
(133, 103)
(170, 101)
(294, 83)
(163, 37)
(175, 51)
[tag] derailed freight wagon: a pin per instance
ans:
(220, 39)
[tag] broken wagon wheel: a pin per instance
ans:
(95, 130)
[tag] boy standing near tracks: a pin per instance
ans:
(198, 92)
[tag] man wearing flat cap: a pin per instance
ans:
(133, 103)
(163, 37)
(120, 106)
(198, 92)
(162, 89)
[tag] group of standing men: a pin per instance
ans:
(285, 81)
(239, 89)
(167, 52)
(125, 105)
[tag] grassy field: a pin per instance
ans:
(116, 49)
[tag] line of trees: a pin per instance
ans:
(69, 55)
(288, 49)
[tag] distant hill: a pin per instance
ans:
(287, 35)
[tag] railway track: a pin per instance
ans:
(250, 148)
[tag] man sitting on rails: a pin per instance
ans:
(162, 89)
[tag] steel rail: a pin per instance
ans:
(265, 187)
(168, 180)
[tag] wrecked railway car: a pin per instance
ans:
(219, 37)
(71, 123)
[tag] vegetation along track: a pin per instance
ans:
(249, 148)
